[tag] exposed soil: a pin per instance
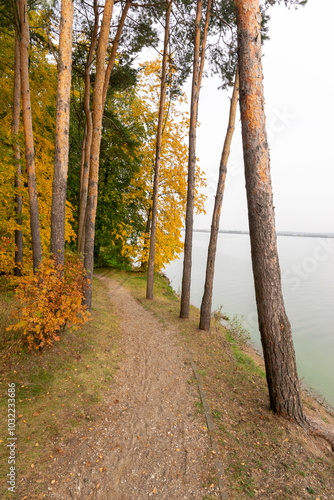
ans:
(153, 442)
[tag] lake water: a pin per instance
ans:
(307, 267)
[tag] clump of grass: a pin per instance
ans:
(238, 331)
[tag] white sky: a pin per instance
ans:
(299, 89)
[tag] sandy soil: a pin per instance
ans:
(153, 442)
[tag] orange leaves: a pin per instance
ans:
(49, 300)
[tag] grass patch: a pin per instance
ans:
(57, 390)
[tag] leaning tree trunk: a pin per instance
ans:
(114, 48)
(151, 258)
(87, 142)
(97, 108)
(16, 151)
(198, 65)
(28, 134)
(59, 185)
(275, 329)
(205, 317)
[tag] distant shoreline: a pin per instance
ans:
(279, 233)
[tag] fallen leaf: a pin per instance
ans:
(35, 414)
(154, 491)
(32, 466)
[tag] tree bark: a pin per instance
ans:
(205, 316)
(59, 185)
(87, 143)
(275, 328)
(17, 159)
(97, 108)
(151, 258)
(198, 65)
(114, 48)
(28, 134)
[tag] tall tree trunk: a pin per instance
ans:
(198, 65)
(114, 48)
(87, 143)
(151, 258)
(275, 328)
(16, 151)
(59, 185)
(143, 264)
(205, 317)
(28, 134)
(95, 147)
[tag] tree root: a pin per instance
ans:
(317, 428)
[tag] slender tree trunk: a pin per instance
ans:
(275, 328)
(28, 134)
(16, 151)
(114, 48)
(87, 143)
(151, 259)
(198, 65)
(95, 147)
(205, 317)
(59, 185)
(143, 265)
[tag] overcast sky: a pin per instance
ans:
(298, 68)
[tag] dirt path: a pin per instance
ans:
(153, 443)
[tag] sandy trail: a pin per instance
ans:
(153, 443)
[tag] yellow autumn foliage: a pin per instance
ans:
(173, 171)
(43, 87)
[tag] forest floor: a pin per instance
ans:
(115, 411)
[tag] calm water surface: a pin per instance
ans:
(307, 266)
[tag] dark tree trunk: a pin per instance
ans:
(275, 328)
(59, 185)
(198, 65)
(87, 142)
(151, 259)
(205, 317)
(16, 151)
(28, 134)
